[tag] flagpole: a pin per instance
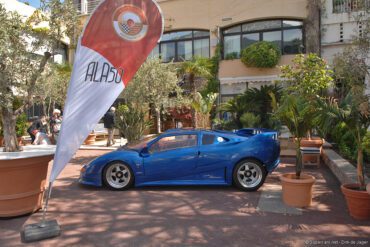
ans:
(48, 194)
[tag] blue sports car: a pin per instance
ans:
(189, 157)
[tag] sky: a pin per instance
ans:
(34, 3)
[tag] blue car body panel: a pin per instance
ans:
(210, 164)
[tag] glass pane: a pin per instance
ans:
(293, 41)
(232, 47)
(154, 53)
(232, 30)
(201, 47)
(292, 23)
(177, 35)
(208, 139)
(174, 142)
(184, 50)
(274, 37)
(198, 34)
(261, 25)
(248, 39)
(168, 51)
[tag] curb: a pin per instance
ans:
(345, 172)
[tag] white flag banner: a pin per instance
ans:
(116, 40)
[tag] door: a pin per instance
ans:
(214, 157)
(172, 157)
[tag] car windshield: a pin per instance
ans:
(138, 145)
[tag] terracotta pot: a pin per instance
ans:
(358, 202)
(1, 141)
(314, 142)
(297, 192)
(90, 139)
(22, 184)
(20, 141)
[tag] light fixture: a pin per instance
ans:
(227, 19)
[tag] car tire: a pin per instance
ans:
(118, 176)
(249, 175)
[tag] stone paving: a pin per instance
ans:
(193, 216)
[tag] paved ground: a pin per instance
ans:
(193, 216)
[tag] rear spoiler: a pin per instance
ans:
(248, 132)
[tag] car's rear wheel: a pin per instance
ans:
(118, 176)
(249, 175)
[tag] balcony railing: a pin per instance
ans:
(85, 7)
(348, 6)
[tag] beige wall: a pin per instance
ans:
(208, 14)
(235, 68)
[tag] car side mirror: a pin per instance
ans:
(145, 152)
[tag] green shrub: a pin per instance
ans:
(231, 56)
(262, 54)
(131, 122)
(249, 120)
(21, 125)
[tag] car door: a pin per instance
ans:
(172, 157)
(214, 157)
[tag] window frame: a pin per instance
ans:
(192, 39)
(282, 28)
(178, 148)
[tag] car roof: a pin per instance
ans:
(195, 131)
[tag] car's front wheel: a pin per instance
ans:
(118, 176)
(249, 175)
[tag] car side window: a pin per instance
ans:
(173, 142)
(209, 139)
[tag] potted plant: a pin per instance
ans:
(23, 170)
(309, 76)
(294, 112)
(261, 54)
(90, 139)
(354, 112)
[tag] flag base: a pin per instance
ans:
(40, 231)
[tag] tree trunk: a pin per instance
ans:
(313, 27)
(10, 137)
(194, 91)
(360, 165)
(158, 120)
(298, 163)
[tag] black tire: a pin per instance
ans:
(249, 175)
(118, 176)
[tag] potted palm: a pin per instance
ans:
(354, 112)
(295, 112)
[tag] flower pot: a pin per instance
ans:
(368, 188)
(358, 201)
(314, 142)
(1, 141)
(23, 180)
(90, 139)
(297, 192)
(20, 141)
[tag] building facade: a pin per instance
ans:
(341, 20)
(195, 28)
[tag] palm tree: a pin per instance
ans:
(203, 106)
(354, 112)
(295, 112)
(261, 102)
(197, 67)
(237, 107)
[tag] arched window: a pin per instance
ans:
(182, 45)
(286, 34)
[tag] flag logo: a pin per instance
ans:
(130, 23)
